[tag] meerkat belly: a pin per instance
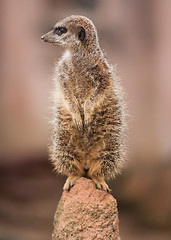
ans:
(101, 133)
(87, 144)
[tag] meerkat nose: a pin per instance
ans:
(42, 37)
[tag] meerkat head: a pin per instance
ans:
(73, 32)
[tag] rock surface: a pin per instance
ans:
(86, 213)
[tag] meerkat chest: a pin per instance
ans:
(74, 81)
(82, 87)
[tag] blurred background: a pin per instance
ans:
(135, 35)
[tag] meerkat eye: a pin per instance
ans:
(60, 30)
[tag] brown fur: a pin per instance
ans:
(88, 116)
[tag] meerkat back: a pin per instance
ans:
(88, 116)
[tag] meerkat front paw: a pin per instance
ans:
(87, 120)
(78, 124)
(101, 184)
(87, 112)
(70, 182)
(77, 121)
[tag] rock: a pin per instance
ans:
(86, 213)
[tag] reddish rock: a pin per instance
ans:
(86, 213)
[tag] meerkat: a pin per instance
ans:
(88, 109)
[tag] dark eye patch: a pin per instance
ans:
(60, 30)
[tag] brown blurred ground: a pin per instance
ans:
(136, 35)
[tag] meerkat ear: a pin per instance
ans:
(81, 34)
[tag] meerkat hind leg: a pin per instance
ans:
(95, 174)
(101, 184)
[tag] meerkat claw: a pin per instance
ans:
(101, 185)
(70, 182)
